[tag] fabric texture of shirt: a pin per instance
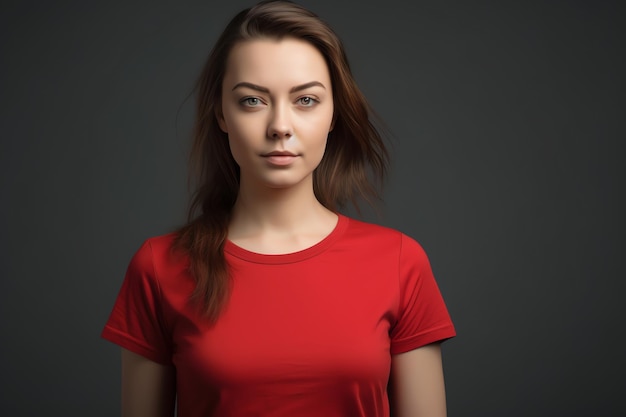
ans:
(310, 333)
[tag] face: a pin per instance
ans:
(277, 110)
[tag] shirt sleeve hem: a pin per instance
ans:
(435, 335)
(128, 342)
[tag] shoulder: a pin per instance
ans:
(161, 243)
(157, 254)
(381, 242)
(383, 235)
(360, 228)
(155, 246)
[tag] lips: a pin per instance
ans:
(280, 153)
(280, 158)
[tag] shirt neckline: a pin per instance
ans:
(284, 258)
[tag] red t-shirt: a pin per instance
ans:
(309, 333)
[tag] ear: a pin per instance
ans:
(219, 115)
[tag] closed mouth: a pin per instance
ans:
(280, 153)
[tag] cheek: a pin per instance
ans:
(243, 134)
(318, 151)
(245, 141)
(238, 147)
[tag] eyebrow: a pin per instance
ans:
(266, 90)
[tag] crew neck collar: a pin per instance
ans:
(319, 247)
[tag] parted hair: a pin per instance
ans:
(352, 168)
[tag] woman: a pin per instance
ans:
(269, 302)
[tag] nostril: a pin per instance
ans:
(278, 135)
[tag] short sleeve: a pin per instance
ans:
(422, 314)
(136, 322)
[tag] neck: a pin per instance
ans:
(291, 209)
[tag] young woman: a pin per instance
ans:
(269, 302)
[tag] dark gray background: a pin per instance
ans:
(508, 167)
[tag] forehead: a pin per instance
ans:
(275, 63)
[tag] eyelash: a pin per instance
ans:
(246, 101)
(312, 101)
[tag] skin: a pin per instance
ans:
(148, 388)
(277, 96)
(418, 383)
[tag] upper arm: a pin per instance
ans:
(417, 384)
(148, 388)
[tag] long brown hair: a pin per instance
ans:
(353, 166)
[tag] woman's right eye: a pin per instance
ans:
(250, 101)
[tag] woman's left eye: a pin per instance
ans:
(307, 101)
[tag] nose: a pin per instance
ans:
(279, 126)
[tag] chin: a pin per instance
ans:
(279, 185)
(284, 181)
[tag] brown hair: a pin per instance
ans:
(354, 148)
